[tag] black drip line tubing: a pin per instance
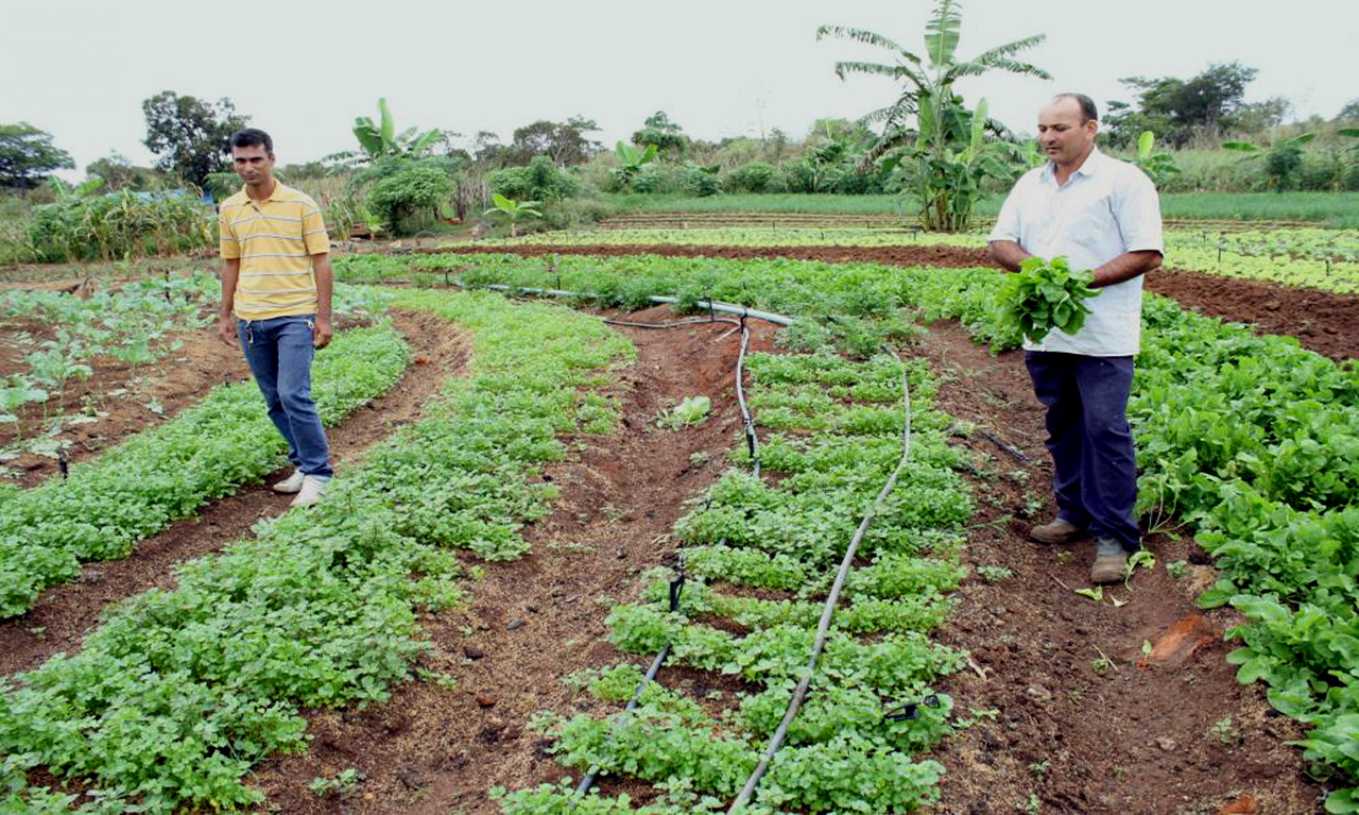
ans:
(677, 583)
(906, 711)
(832, 600)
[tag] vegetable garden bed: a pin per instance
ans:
(1069, 700)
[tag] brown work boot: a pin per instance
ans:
(1111, 559)
(1057, 532)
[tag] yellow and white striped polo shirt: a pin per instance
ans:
(275, 239)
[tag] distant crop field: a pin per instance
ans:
(1334, 209)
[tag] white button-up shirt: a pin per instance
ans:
(1106, 208)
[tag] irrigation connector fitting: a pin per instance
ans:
(910, 710)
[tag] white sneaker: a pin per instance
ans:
(313, 487)
(291, 484)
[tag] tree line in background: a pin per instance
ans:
(927, 143)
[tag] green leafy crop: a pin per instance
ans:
(1045, 295)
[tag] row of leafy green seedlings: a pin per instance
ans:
(1251, 442)
(136, 489)
(759, 557)
(179, 693)
(129, 324)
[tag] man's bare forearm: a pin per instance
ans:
(1008, 254)
(325, 285)
(1125, 267)
(231, 272)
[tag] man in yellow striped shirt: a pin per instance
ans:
(276, 293)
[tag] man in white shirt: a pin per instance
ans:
(1104, 216)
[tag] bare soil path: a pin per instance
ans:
(64, 613)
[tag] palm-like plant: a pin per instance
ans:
(631, 160)
(380, 139)
(944, 128)
(514, 211)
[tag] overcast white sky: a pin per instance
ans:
(304, 69)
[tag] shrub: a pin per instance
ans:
(1350, 181)
(799, 176)
(660, 177)
(574, 212)
(701, 182)
(1320, 170)
(411, 195)
(540, 180)
(757, 176)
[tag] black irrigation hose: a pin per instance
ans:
(832, 600)
(748, 421)
(677, 584)
(827, 611)
(675, 324)
(676, 588)
(752, 441)
(1014, 452)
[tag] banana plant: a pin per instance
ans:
(514, 211)
(380, 139)
(945, 175)
(66, 192)
(943, 128)
(1157, 164)
(631, 160)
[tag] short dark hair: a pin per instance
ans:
(1088, 109)
(250, 137)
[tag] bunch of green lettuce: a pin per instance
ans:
(1045, 295)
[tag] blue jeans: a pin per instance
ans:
(1094, 466)
(280, 352)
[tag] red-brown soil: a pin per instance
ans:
(534, 621)
(176, 381)
(1143, 734)
(1322, 321)
(64, 613)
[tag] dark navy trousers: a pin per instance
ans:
(1094, 466)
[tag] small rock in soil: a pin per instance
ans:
(621, 554)
(1166, 743)
(472, 652)
(410, 778)
(514, 625)
(486, 700)
(1039, 693)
